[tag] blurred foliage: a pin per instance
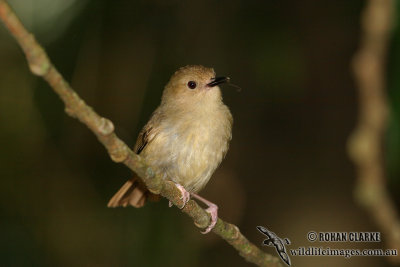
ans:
(287, 167)
(393, 134)
(40, 16)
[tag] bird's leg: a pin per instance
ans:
(185, 195)
(212, 210)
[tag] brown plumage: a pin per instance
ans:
(186, 137)
(133, 193)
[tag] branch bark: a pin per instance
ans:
(365, 144)
(103, 128)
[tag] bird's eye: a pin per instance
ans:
(191, 84)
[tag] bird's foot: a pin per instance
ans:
(185, 195)
(212, 210)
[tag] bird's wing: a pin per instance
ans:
(145, 137)
(148, 132)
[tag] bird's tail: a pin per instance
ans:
(133, 193)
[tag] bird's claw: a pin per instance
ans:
(185, 195)
(213, 211)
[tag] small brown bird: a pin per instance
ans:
(185, 139)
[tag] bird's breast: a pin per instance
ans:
(190, 149)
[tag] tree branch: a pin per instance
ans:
(103, 128)
(365, 144)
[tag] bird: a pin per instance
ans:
(185, 139)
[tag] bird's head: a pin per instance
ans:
(193, 85)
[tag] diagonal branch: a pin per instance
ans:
(103, 128)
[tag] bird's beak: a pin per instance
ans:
(218, 80)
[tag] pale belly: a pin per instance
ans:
(189, 154)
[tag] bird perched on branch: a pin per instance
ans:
(185, 139)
